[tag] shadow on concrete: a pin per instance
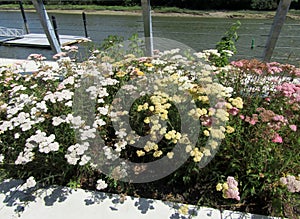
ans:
(15, 199)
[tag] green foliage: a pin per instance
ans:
(74, 184)
(111, 41)
(226, 46)
(136, 45)
(264, 4)
(228, 41)
(132, 2)
(115, 46)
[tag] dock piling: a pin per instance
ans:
(278, 22)
(146, 7)
(24, 17)
(84, 24)
(47, 26)
(55, 28)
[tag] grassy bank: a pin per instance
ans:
(156, 11)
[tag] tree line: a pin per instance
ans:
(188, 4)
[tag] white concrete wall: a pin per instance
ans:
(65, 203)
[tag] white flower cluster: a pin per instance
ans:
(70, 80)
(110, 154)
(47, 75)
(1, 158)
(16, 89)
(24, 120)
(59, 96)
(96, 91)
(18, 103)
(103, 110)
(101, 184)
(98, 123)
(108, 82)
(25, 156)
(120, 145)
(87, 132)
(75, 152)
(56, 121)
(40, 106)
(30, 183)
(40, 140)
(75, 121)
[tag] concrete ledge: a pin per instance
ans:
(64, 203)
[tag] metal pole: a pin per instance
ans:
(55, 28)
(279, 19)
(84, 24)
(46, 23)
(147, 27)
(24, 17)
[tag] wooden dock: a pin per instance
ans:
(41, 41)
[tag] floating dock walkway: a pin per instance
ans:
(41, 41)
(50, 39)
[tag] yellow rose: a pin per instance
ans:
(155, 147)
(197, 158)
(147, 120)
(184, 209)
(213, 144)
(168, 136)
(163, 131)
(140, 73)
(148, 64)
(145, 106)
(228, 106)
(219, 187)
(229, 129)
(188, 148)
(157, 153)
(147, 148)
(120, 74)
(164, 116)
(225, 186)
(151, 108)
(140, 108)
(206, 132)
(140, 153)
(170, 155)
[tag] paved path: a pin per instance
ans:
(65, 203)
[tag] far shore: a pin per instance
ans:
(206, 14)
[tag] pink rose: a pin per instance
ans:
(293, 127)
(277, 138)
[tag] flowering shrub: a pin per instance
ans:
(102, 123)
(264, 145)
(45, 135)
(291, 182)
(229, 188)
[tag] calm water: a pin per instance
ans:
(197, 33)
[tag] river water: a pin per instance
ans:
(194, 32)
